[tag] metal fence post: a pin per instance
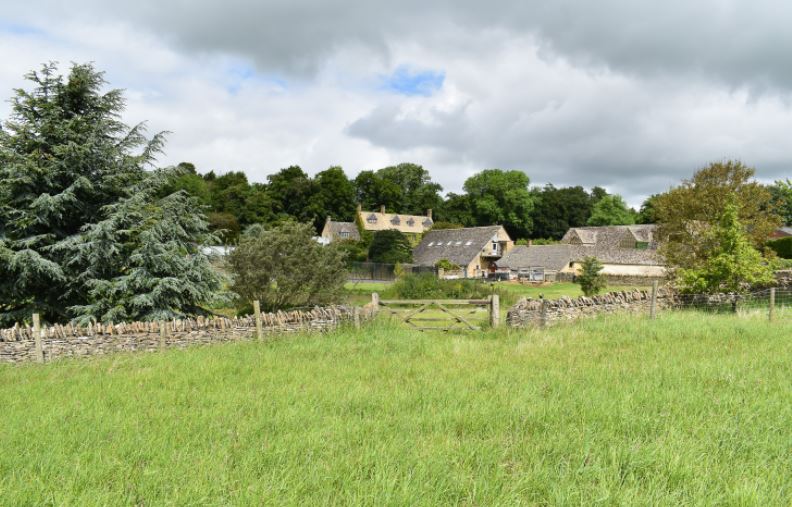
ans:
(653, 307)
(37, 338)
(771, 313)
(494, 310)
(257, 312)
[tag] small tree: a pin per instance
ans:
(590, 279)
(284, 267)
(732, 266)
(390, 247)
(611, 210)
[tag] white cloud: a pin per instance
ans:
(631, 96)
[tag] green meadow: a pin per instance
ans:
(684, 410)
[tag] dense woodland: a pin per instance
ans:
(492, 196)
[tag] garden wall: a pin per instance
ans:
(535, 312)
(18, 344)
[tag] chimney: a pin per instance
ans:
(328, 219)
(530, 242)
(359, 208)
(429, 213)
(382, 209)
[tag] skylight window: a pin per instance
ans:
(458, 243)
(468, 243)
(431, 243)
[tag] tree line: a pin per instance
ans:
(91, 229)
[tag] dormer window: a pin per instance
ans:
(428, 222)
(372, 219)
(410, 222)
(396, 220)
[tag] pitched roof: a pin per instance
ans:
(336, 228)
(459, 246)
(616, 244)
(554, 257)
(784, 231)
(381, 221)
(610, 245)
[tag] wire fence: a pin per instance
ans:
(776, 302)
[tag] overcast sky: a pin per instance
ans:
(631, 95)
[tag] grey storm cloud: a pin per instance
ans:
(633, 95)
(736, 42)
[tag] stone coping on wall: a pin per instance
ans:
(18, 344)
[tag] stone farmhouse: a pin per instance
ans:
(627, 252)
(474, 249)
(411, 225)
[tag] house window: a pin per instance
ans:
(343, 234)
(396, 220)
(411, 222)
(372, 219)
(642, 245)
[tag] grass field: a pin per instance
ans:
(621, 411)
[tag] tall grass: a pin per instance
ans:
(682, 410)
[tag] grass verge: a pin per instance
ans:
(687, 409)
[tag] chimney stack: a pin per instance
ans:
(359, 208)
(530, 242)
(328, 219)
(382, 209)
(429, 213)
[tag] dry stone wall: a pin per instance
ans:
(18, 344)
(536, 312)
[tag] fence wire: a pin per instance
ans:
(758, 301)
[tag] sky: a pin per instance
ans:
(630, 95)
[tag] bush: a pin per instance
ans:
(446, 264)
(590, 279)
(284, 267)
(782, 247)
(390, 247)
(427, 286)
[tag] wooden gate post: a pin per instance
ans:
(543, 314)
(771, 313)
(37, 338)
(494, 310)
(653, 307)
(257, 313)
(162, 334)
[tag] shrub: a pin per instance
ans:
(590, 279)
(782, 247)
(390, 247)
(284, 267)
(427, 286)
(446, 264)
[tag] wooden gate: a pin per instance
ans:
(445, 314)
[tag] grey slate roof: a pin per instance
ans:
(459, 246)
(554, 257)
(785, 230)
(610, 245)
(336, 228)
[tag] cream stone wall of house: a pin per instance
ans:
(482, 264)
(622, 270)
(383, 221)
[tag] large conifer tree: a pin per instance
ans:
(83, 229)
